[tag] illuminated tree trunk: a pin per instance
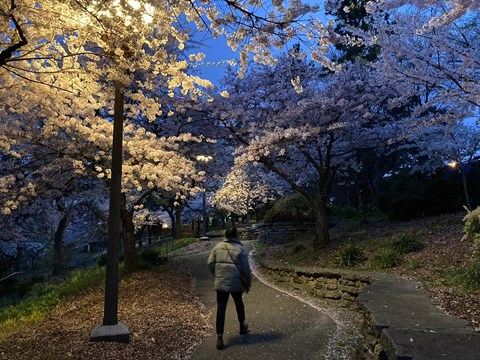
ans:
(128, 236)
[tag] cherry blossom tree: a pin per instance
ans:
(304, 125)
(60, 62)
(432, 60)
(244, 189)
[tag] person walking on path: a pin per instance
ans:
(228, 262)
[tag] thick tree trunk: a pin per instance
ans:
(171, 215)
(58, 253)
(178, 222)
(128, 237)
(322, 236)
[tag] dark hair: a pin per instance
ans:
(231, 233)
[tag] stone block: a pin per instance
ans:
(334, 295)
(352, 290)
(348, 297)
(346, 282)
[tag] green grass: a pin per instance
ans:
(44, 297)
(466, 279)
(183, 242)
(414, 264)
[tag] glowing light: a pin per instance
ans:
(453, 164)
(204, 158)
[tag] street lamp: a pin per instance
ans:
(205, 159)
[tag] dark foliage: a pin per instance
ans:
(289, 209)
(407, 196)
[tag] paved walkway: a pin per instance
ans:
(282, 327)
(412, 327)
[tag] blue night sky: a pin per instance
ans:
(216, 52)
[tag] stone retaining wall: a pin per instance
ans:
(341, 287)
(279, 233)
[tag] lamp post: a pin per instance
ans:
(111, 329)
(205, 159)
(458, 165)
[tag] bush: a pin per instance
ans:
(351, 255)
(385, 259)
(407, 195)
(151, 257)
(467, 279)
(102, 259)
(407, 244)
(471, 280)
(471, 228)
(291, 208)
(344, 212)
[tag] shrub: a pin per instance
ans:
(467, 279)
(471, 228)
(151, 257)
(344, 212)
(102, 259)
(407, 244)
(385, 259)
(291, 208)
(350, 255)
(471, 279)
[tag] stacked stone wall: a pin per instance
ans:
(338, 286)
(280, 233)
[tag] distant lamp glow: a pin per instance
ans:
(453, 164)
(165, 226)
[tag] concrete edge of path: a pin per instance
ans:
(403, 323)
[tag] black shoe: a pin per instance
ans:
(244, 329)
(220, 345)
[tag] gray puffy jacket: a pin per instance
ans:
(227, 261)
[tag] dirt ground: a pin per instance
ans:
(165, 318)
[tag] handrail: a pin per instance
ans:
(6, 277)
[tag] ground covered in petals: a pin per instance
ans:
(165, 318)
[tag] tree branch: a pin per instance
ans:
(8, 52)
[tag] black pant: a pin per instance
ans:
(222, 300)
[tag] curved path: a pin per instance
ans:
(281, 327)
